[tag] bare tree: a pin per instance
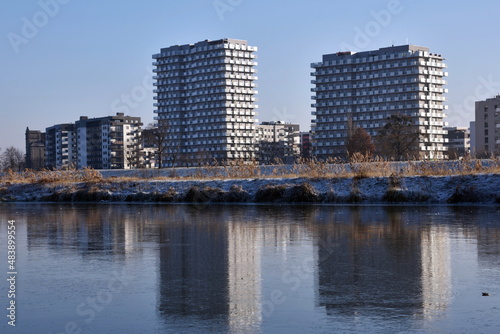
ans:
(360, 142)
(157, 136)
(399, 138)
(12, 159)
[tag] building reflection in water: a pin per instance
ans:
(436, 270)
(110, 228)
(371, 262)
(210, 267)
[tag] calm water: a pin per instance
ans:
(252, 269)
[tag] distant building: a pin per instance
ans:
(458, 142)
(487, 127)
(368, 87)
(111, 142)
(278, 142)
(35, 149)
(205, 92)
(305, 145)
(472, 129)
(60, 146)
(149, 148)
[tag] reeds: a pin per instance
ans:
(359, 167)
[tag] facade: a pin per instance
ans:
(472, 128)
(205, 93)
(278, 141)
(60, 146)
(111, 142)
(487, 127)
(35, 149)
(305, 145)
(458, 142)
(368, 87)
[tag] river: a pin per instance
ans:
(138, 268)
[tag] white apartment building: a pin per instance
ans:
(111, 142)
(278, 141)
(205, 95)
(60, 146)
(370, 86)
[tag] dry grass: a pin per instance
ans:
(359, 167)
(87, 175)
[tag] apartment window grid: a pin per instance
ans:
(206, 94)
(368, 87)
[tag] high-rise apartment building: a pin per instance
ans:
(60, 146)
(368, 87)
(111, 142)
(205, 96)
(487, 127)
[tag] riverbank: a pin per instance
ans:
(474, 188)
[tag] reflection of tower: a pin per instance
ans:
(436, 269)
(210, 268)
(368, 263)
(244, 246)
(193, 269)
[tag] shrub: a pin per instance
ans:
(270, 193)
(355, 194)
(205, 195)
(467, 194)
(236, 194)
(304, 193)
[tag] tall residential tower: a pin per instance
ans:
(368, 87)
(205, 96)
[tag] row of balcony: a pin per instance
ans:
(350, 83)
(421, 56)
(196, 78)
(201, 90)
(168, 99)
(164, 72)
(338, 73)
(175, 64)
(361, 98)
(194, 107)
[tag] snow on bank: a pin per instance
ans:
(482, 188)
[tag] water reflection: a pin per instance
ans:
(369, 264)
(217, 266)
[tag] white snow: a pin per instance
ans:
(482, 188)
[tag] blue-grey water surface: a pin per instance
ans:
(100, 268)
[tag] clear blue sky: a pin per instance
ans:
(84, 57)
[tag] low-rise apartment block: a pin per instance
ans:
(60, 146)
(111, 142)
